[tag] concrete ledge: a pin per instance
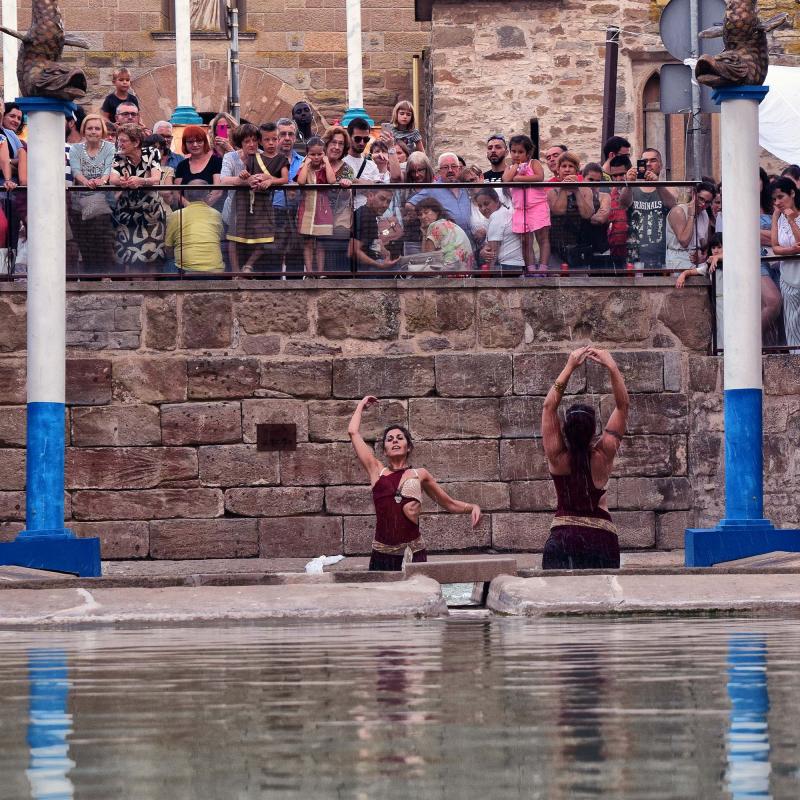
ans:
(627, 594)
(416, 598)
(478, 570)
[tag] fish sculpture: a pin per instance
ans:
(38, 69)
(745, 59)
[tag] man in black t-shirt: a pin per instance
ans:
(496, 153)
(366, 242)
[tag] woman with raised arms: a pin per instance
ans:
(397, 494)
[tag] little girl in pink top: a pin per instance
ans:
(531, 211)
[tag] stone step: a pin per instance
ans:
(474, 570)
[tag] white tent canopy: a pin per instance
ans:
(779, 114)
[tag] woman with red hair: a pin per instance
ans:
(200, 163)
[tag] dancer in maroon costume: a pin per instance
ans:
(582, 534)
(397, 494)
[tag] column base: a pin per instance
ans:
(185, 115)
(56, 551)
(733, 539)
(352, 113)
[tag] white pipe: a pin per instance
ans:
(355, 82)
(46, 259)
(10, 50)
(742, 299)
(183, 53)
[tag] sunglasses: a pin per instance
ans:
(361, 139)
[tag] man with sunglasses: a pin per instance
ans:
(365, 170)
(164, 128)
(496, 154)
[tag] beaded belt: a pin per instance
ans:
(396, 550)
(584, 522)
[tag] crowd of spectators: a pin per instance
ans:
(276, 199)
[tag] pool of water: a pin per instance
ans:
(459, 708)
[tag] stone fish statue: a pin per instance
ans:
(38, 70)
(745, 59)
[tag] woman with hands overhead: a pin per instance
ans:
(582, 534)
(397, 494)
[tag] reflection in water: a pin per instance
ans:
(541, 709)
(49, 724)
(748, 737)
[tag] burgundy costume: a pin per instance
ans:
(582, 535)
(394, 531)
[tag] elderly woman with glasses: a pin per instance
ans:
(200, 164)
(139, 220)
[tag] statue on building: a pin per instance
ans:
(38, 71)
(206, 15)
(745, 59)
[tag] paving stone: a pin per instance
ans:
(501, 322)
(688, 316)
(143, 379)
(533, 495)
(370, 315)
(404, 376)
(458, 461)
(273, 312)
(160, 323)
(358, 535)
(473, 375)
(237, 465)
(659, 494)
(671, 529)
(204, 538)
(653, 413)
(128, 467)
(643, 371)
(297, 378)
(147, 504)
(448, 532)
(438, 311)
(273, 501)
(88, 381)
(207, 320)
(520, 417)
(321, 465)
(438, 418)
(118, 539)
(12, 469)
(644, 455)
(256, 412)
(349, 500)
(13, 324)
(220, 378)
(201, 423)
(535, 373)
(116, 426)
(12, 426)
(328, 419)
(13, 381)
(780, 374)
(296, 537)
(522, 459)
(520, 531)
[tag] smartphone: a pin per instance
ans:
(641, 167)
(222, 129)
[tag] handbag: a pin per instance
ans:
(92, 205)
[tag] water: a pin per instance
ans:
(470, 708)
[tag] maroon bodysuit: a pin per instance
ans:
(394, 531)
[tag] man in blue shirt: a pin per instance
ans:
(285, 202)
(164, 128)
(455, 202)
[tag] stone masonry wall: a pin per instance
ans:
(300, 44)
(166, 383)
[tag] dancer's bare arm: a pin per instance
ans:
(363, 451)
(441, 498)
(554, 447)
(615, 427)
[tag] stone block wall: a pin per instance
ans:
(166, 383)
(289, 50)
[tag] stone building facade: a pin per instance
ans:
(166, 384)
(289, 50)
(494, 65)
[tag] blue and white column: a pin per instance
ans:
(185, 113)
(744, 531)
(46, 543)
(355, 71)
